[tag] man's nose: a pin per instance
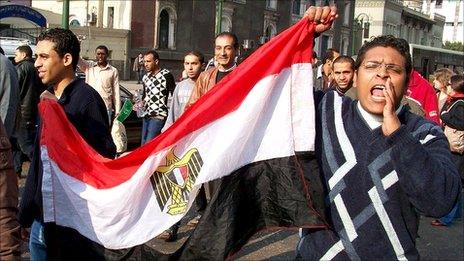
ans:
(382, 72)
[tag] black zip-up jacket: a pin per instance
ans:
(30, 87)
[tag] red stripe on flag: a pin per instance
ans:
(69, 151)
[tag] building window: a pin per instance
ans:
(74, 23)
(110, 18)
(439, 4)
(344, 46)
(270, 32)
(366, 30)
(164, 30)
(165, 26)
(325, 43)
(271, 4)
(226, 24)
(346, 14)
(296, 7)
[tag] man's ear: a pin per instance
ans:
(67, 59)
(157, 61)
(355, 78)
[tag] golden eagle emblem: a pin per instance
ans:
(175, 180)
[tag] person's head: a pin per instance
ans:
(315, 60)
(457, 83)
(57, 55)
(140, 55)
(101, 55)
(442, 79)
(384, 57)
(193, 63)
(22, 52)
(225, 49)
(343, 72)
(327, 59)
(151, 61)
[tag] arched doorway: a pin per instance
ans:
(164, 30)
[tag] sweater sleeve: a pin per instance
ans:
(425, 171)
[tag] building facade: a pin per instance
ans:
(174, 27)
(453, 11)
(405, 19)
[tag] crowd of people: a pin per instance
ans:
(389, 143)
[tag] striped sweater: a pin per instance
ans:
(373, 183)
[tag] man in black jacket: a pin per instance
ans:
(30, 87)
(57, 55)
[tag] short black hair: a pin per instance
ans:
(154, 53)
(344, 59)
(231, 35)
(26, 49)
(200, 56)
(102, 47)
(457, 83)
(65, 42)
(329, 54)
(399, 44)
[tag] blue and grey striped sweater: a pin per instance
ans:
(374, 183)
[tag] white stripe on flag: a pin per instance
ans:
(262, 128)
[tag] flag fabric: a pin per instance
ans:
(248, 130)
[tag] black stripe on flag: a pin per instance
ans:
(266, 194)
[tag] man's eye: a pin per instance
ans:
(394, 68)
(370, 66)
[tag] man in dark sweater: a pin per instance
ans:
(379, 164)
(57, 56)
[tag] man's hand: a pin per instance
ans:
(323, 17)
(390, 120)
(46, 95)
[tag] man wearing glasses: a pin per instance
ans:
(380, 163)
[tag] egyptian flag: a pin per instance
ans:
(248, 130)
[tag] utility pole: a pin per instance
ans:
(218, 17)
(65, 15)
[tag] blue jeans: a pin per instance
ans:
(37, 247)
(140, 74)
(453, 214)
(151, 127)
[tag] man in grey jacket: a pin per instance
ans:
(9, 94)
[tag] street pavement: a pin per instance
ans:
(434, 243)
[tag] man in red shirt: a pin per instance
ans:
(422, 92)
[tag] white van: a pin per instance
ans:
(9, 45)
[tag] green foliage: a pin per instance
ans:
(456, 46)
